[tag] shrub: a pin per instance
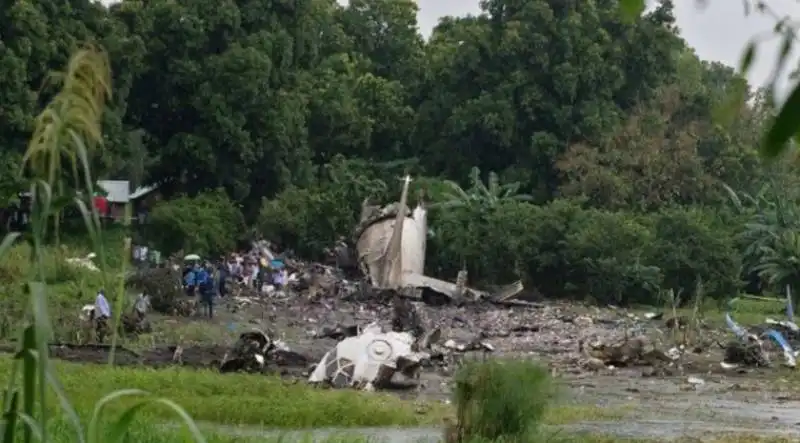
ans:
(312, 219)
(606, 256)
(565, 250)
(694, 245)
(501, 400)
(208, 224)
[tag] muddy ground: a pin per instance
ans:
(763, 399)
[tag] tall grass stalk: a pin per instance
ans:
(69, 128)
(501, 400)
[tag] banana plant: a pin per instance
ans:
(480, 194)
(771, 234)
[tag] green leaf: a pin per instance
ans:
(7, 242)
(123, 423)
(32, 425)
(784, 126)
(94, 430)
(748, 57)
(119, 428)
(631, 9)
(66, 407)
(10, 415)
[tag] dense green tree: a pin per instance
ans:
(605, 137)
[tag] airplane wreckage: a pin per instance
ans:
(750, 347)
(390, 245)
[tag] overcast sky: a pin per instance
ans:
(719, 31)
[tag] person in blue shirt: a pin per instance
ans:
(200, 276)
(206, 287)
(190, 281)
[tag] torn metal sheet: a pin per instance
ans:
(738, 331)
(391, 242)
(248, 353)
(368, 360)
(788, 352)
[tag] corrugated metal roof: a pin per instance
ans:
(119, 191)
(142, 191)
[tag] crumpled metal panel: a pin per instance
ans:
(389, 251)
(367, 360)
(373, 248)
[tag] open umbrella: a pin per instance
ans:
(192, 257)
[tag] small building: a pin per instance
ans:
(119, 194)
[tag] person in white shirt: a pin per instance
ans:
(101, 306)
(102, 312)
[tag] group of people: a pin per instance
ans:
(101, 313)
(257, 272)
(206, 282)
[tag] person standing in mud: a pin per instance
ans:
(102, 312)
(222, 277)
(190, 280)
(206, 289)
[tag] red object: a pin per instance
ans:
(101, 204)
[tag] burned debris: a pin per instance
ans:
(256, 352)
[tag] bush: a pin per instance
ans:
(606, 255)
(565, 250)
(501, 400)
(312, 219)
(695, 246)
(208, 224)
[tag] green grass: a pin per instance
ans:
(240, 399)
(254, 401)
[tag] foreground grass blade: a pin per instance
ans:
(121, 425)
(10, 416)
(26, 354)
(36, 429)
(7, 242)
(72, 415)
(43, 335)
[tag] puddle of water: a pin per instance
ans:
(672, 429)
(376, 435)
(647, 429)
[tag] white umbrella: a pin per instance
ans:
(192, 257)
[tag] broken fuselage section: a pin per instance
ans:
(390, 243)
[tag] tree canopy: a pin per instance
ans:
(557, 141)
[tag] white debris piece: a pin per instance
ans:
(84, 262)
(792, 326)
(87, 312)
(368, 359)
(696, 381)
